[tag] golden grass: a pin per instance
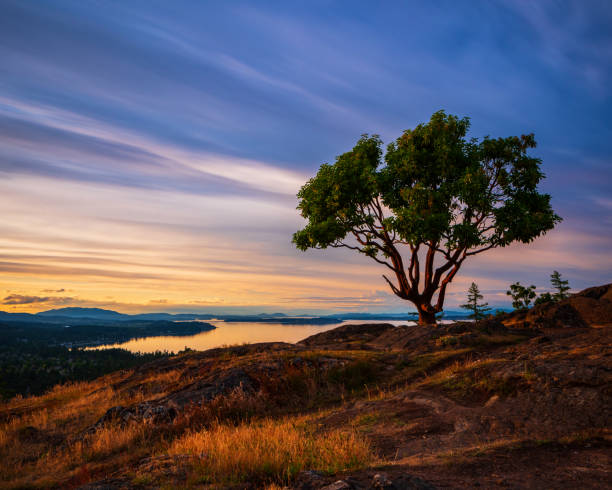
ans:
(271, 451)
(456, 368)
(41, 441)
(34, 430)
(58, 464)
(40, 445)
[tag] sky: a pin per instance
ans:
(150, 151)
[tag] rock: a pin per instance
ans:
(143, 412)
(210, 387)
(403, 337)
(165, 410)
(345, 333)
(159, 414)
(492, 401)
(308, 480)
(593, 306)
(380, 480)
(339, 485)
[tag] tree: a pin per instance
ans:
(521, 295)
(478, 309)
(561, 285)
(544, 298)
(437, 200)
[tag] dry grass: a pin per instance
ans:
(42, 442)
(38, 434)
(458, 367)
(235, 438)
(470, 379)
(271, 451)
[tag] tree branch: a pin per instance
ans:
(445, 283)
(395, 290)
(488, 247)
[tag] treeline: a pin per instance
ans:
(33, 357)
(95, 334)
(31, 368)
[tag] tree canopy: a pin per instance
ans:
(522, 296)
(432, 200)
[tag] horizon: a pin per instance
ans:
(256, 313)
(151, 153)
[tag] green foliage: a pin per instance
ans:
(435, 191)
(33, 368)
(478, 310)
(34, 357)
(561, 285)
(544, 298)
(521, 296)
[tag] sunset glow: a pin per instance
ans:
(150, 157)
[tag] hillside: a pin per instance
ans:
(517, 401)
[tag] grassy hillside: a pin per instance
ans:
(515, 405)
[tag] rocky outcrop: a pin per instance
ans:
(164, 410)
(347, 336)
(593, 306)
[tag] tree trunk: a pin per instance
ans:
(426, 317)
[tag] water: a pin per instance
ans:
(228, 333)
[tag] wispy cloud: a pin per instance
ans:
(150, 156)
(88, 150)
(21, 299)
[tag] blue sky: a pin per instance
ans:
(150, 151)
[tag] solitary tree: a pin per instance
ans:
(478, 309)
(437, 199)
(561, 285)
(521, 296)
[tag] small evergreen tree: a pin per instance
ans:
(521, 295)
(478, 309)
(561, 285)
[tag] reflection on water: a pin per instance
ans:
(228, 333)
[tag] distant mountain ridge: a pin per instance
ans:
(76, 312)
(102, 314)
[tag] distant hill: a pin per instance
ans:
(5, 315)
(75, 312)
